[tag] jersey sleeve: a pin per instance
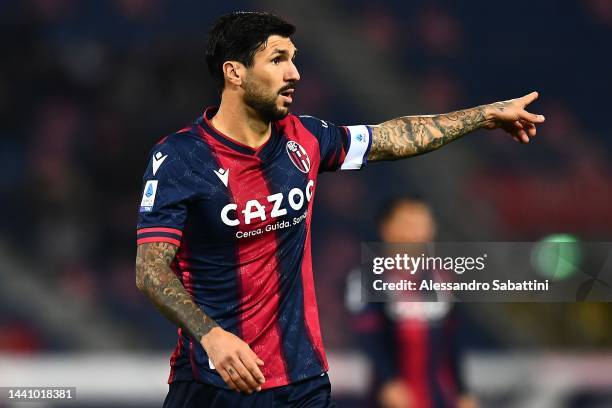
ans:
(166, 192)
(341, 147)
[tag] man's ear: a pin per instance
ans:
(234, 72)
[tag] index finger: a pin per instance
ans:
(527, 99)
(245, 377)
(253, 368)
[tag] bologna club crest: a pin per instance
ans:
(298, 156)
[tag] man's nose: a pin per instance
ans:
(292, 74)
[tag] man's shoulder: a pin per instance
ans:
(182, 142)
(300, 123)
(315, 125)
(184, 137)
(304, 119)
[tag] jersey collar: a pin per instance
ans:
(232, 143)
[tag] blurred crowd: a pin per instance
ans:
(87, 88)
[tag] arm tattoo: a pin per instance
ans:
(413, 135)
(159, 283)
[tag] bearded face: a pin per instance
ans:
(270, 104)
(269, 84)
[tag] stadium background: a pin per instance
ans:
(86, 88)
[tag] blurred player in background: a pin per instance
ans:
(412, 346)
(224, 223)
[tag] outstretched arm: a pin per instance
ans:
(413, 135)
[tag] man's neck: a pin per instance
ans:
(240, 123)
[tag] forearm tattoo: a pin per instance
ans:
(413, 135)
(159, 283)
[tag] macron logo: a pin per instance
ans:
(158, 159)
(223, 175)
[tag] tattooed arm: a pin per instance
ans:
(159, 283)
(234, 360)
(413, 135)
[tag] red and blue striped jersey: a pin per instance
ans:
(241, 219)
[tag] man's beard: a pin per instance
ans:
(263, 103)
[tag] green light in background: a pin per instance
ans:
(557, 256)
